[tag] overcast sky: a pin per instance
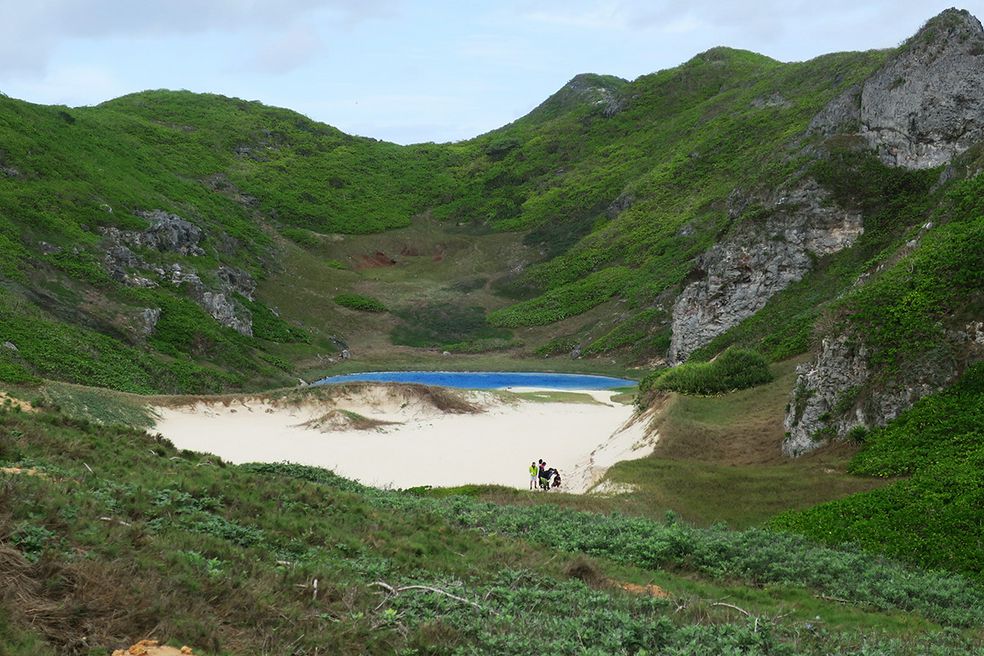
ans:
(407, 70)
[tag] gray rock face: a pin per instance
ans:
(591, 89)
(926, 103)
(775, 99)
(171, 233)
(148, 320)
(10, 345)
(219, 303)
(761, 258)
(834, 394)
(841, 115)
(839, 370)
(619, 205)
(226, 312)
(167, 232)
(237, 280)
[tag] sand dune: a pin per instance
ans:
(389, 435)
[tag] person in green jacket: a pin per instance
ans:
(533, 474)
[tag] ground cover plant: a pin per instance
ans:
(91, 509)
(459, 327)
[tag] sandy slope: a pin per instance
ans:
(425, 444)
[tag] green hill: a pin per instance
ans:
(599, 181)
(788, 255)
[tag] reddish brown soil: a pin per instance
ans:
(374, 261)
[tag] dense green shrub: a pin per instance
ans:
(360, 302)
(732, 370)
(628, 332)
(301, 237)
(562, 345)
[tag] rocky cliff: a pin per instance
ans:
(926, 103)
(838, 392)
(921, 109)
(170, 234)
(761, 258)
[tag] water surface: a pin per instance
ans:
(485, 379)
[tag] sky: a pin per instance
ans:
(407, 70)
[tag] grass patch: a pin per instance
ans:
(563, 302)
(447, 324)
(553, 397)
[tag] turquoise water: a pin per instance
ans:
(485, 379)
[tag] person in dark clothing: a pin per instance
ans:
(546, 477)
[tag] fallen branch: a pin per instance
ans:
(740, 610)
(837, 599)
(114, 520)
(405, 588)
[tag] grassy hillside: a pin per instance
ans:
(108, 535)
(232, 168)
(601, 196)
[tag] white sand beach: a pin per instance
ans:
(389, 435)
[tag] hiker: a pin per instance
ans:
(533, 474)
(546, 479)
(556, 480)
(544, 476)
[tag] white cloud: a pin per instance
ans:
(72, 86)
(286, 51)
(606, 15)
(30, 31)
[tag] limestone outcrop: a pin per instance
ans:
(762, 257)
(126, 261)
(836, 392)
(925, 105)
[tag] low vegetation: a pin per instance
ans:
(215, 548)
(734, 369)
(359, 302)
(931, 517)
(460, 328)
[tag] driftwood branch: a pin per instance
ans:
(406, 588)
